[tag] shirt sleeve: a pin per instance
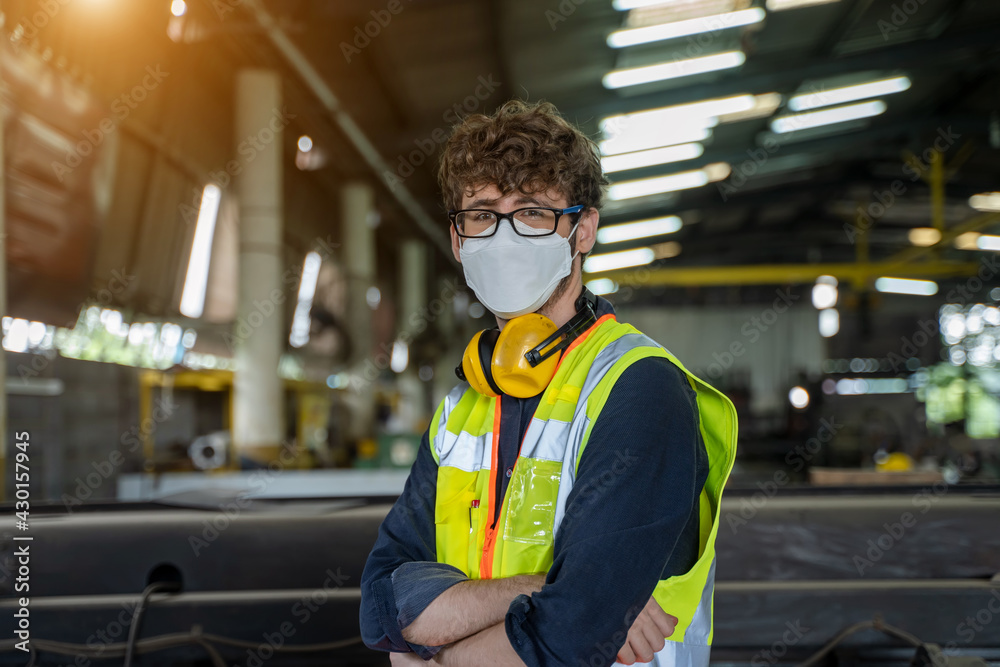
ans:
(402, 575)
(631, 520)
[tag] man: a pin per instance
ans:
(554, 523)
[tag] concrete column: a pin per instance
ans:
(413, 304)
(413, 280)
(357, 207)
(3, 301)
(258, 406)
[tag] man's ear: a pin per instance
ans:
(586, 233)
(455, 244)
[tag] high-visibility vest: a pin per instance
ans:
(464, 433)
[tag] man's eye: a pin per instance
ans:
(483, 217)
(533, 213)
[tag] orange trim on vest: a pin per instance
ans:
(582, 337)
(486, 564)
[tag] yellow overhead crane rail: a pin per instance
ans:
(783, 274)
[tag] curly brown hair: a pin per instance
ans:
(522, 147)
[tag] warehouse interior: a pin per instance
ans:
(231, 305)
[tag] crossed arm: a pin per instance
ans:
(476, 609)
(468, 619)
(468, 608)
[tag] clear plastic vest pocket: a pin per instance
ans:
(531, 501)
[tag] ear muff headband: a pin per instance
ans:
(487, 345)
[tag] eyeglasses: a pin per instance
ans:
(538, 221)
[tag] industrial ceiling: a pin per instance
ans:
(377, 85)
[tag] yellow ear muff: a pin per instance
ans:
(477, 362)
(511, 372)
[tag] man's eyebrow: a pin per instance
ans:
(520, 200)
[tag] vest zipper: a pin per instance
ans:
(486, 563)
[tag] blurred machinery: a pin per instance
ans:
(238, 579)
(192, 413)
(208, 452)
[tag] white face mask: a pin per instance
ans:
(513, 275)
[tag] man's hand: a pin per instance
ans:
(405, 659)
(646, 636)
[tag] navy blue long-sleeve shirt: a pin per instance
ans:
(631, 520)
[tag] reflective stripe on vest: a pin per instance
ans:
(463, 438)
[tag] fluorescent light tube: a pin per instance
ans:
(196, 280)
(987, 201)
(651, 186)
(988, 242)
(310, 275)
(639, 229)
(301, 320)
(829, 322)
(648, 158)
(924, 236)
(641, 139)
(692, 113)
(400, 356)
(717, 171)
(668, 126)
(906, 286)
(602, 286)
(967, 241)
(673, 30)
(618, 260)
(673, 70)
(825, 98)
(763, 106)
(666, 250)
(860, 386)
(781, 5)
(811, 119)
(674, 5)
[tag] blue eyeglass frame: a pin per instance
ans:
(509, 217)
